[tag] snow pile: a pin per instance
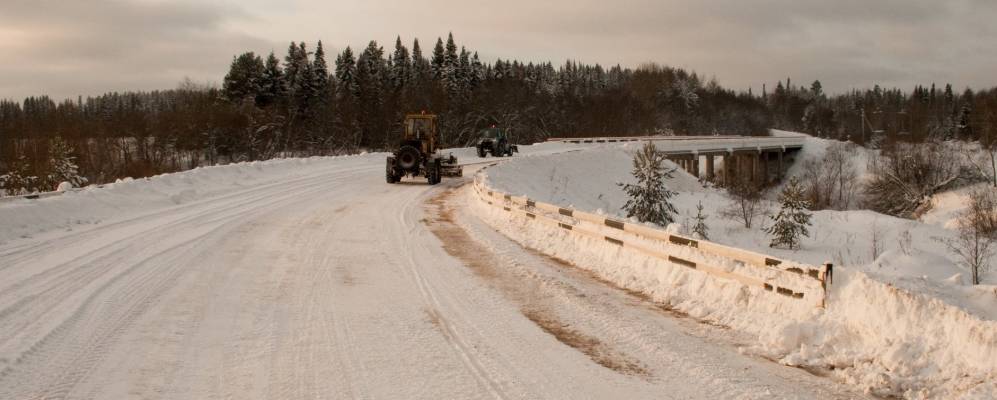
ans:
(901, 319)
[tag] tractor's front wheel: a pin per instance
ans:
(481, 152)
(435, 173)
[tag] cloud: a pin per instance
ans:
(66, 49)
(87, 47)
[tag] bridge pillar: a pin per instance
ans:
(781, 171)
(695, 165)
(710, 168)
(730, 166)
(765, 167)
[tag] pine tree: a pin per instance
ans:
(303, 91)
(320, 72)
(346, 73)
(701, 230)
(271, 83)
(649, 198)
(450, 62)
(791, 223)
(401, 66)
(291, 66)
(244, 77)
(437, 63)
(477, 73)
(420, 66)
(62, 165)
(462, 75)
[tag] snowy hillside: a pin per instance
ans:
(908, 341)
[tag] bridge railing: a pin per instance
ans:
(701, 144)
(772, 274)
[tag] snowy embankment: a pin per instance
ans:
(900, 323)
(134, 198)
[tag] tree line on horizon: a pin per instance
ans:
(303, 104)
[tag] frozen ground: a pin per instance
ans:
(902, 323)
(313, 278)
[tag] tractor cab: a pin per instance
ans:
(421, 129)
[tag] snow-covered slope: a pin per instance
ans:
(304, 279)
(903, 322)
(132, 198)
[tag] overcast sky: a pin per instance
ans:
(86, 47)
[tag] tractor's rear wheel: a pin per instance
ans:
(435, 172)
(408, 157)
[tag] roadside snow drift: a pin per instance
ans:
(902, 323)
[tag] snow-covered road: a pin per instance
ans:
(333, 284)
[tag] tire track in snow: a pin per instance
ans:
(450, 330)
(132, 300)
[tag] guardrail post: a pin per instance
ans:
(827, 278)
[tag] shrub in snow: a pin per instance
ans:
(977, 238)
(745, 203)
(649, 198)
(792, 220)
(701, 230)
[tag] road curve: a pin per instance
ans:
(337, 285)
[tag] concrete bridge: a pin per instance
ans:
(721, 159)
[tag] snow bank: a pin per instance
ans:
(901, 320)
(129, 198)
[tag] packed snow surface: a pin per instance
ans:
(313, 278)
(901, 319)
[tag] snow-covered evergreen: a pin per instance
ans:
(320, 72)
(272, 86)
(649, 198)
(346, 73)
(62, 165)
(790, 224)
(18, 179)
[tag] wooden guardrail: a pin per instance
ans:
(811, 282)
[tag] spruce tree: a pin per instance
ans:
(346, 73)
(400, 66)
(437, 63)
(477, 73)
(320, 72)
(791, 223)
(244, 77)
(304, 91)
(271, 83)
(291, 66)
(649, 198)
(701, 230)
(420, 66)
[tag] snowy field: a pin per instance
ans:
(903, 323)
(312, 278)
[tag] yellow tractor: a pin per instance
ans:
(417, 152)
